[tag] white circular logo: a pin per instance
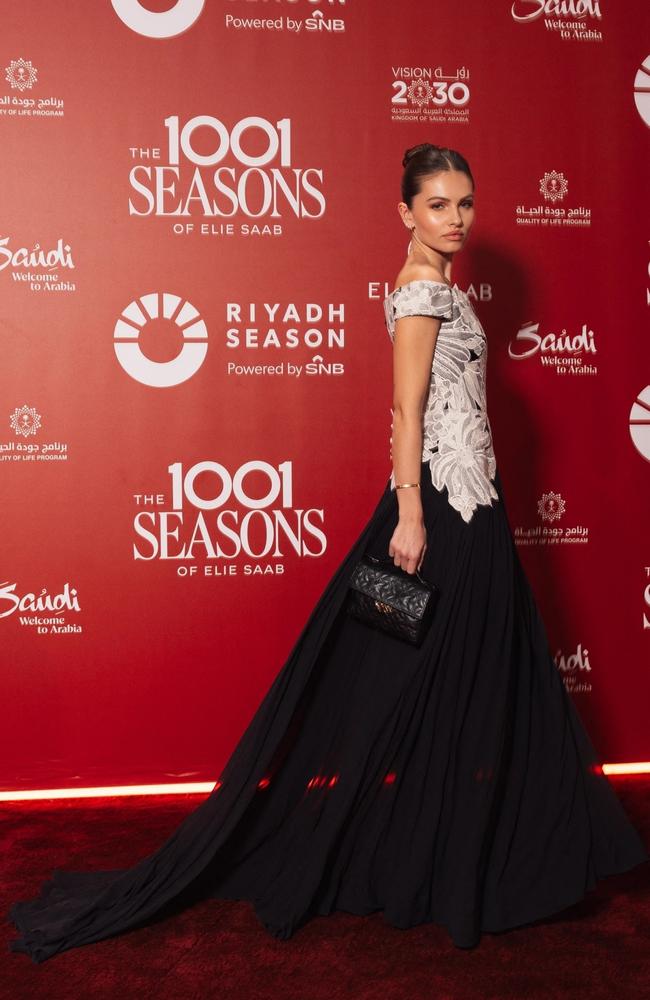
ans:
(640, 423)
(160, 374)
(164, 24)
(642, 90)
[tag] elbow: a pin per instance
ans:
(409, 410)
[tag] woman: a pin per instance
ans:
(453, 782)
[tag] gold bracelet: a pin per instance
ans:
(403, 486)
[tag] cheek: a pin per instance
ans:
(435, 223)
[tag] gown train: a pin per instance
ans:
(453, 783)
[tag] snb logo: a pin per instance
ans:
(164, 24)
(135, 321)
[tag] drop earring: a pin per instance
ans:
(411, 230)
(423, 247)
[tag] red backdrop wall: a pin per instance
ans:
(199, 223)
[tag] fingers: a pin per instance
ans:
(408, 565)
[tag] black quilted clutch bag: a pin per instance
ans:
(388, 598)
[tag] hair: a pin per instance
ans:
(426, 159)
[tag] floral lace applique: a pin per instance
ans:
(457, 437)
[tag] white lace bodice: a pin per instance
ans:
(457, 437)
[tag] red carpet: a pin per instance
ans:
(597, 949)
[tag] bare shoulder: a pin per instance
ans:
(417, 272)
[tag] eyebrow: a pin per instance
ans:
(439, 197)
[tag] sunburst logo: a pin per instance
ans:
(640, 423)
(158, 24)
(20, 74)
(184, 320)
(553, 185)
(551, 507)
(25, 420)
(642, 91)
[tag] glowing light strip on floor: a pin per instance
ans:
(111, 791)
(200, 787)
(642, 767)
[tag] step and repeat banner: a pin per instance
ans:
(198, 227)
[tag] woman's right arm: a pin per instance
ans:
(413, 350)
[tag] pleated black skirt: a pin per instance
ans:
(454, 783)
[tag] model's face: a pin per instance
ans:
(444, 205)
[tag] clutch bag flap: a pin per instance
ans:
(398, 590)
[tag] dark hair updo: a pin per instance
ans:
(425, 159)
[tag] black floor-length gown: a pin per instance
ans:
(453, 783)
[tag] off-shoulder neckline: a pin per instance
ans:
(418, 281)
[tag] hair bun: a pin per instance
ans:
(423, 147)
